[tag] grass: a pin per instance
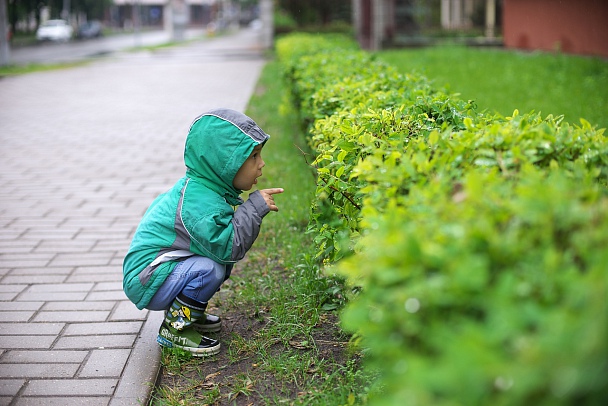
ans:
(13, 70)
(284, 349)
(502, 81)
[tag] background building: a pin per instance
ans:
(578, 27)
(381, 23)
(161, 12)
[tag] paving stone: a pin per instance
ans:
(117, 260)
(15, 316)
(36, 221)
(39, 279)
(63, 401)
(38, 370)
(47, 357)
(97, 270)
(12, 288)
(114, 295)
(12, 306)
(98, 277)
(52, 245)
(55, 306)
(118, 227)
(88, 222)
(52, 296)
(70, 387)
(74, 316)
(81, 329)
(79, 259)
(26, 329)
(10, 387)
(24, 342)
(128, 311)
(62, 211)
(61, 287)
(5, 400)
(121, 246)
(105, 363)
(91, 342)
(11, 257)
(7, 296)
(21, 248)
(41, 271)
(105, 286)
(45, 234)
(106, 234)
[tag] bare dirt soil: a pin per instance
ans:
(235, 376)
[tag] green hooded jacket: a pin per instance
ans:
(197, 216)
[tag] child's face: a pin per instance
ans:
(250, 171)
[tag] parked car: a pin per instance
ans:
(90, 29)
(54, 30)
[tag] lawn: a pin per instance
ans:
(502, 81)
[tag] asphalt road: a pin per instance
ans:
(76, 50)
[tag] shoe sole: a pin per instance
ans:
(196, 352)
(207, 352)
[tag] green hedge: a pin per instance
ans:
(479, 241)
(493, 293)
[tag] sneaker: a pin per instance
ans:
(187, 339)
(208, 324)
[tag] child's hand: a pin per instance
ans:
(267, 195)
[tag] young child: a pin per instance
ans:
(190, 237)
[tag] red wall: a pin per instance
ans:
(572, 26)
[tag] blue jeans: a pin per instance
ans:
(196, 277)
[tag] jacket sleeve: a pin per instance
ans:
(246, 224)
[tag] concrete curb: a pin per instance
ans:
(141, 373)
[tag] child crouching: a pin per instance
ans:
(190, 237)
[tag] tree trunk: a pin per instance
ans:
(5, 57)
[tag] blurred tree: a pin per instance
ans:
(313, 12)
(247, 3)
(94, 9)
(5, 56)
(24, 10)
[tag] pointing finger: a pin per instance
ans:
(273, 191)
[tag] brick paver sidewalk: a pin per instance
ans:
(83, 151)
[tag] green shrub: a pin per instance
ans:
(504, 144)
(346, 140)
(478, 241)
(492, 294)
(335, 87)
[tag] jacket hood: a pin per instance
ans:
(217, 145)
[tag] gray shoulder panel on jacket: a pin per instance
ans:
(247, 221)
